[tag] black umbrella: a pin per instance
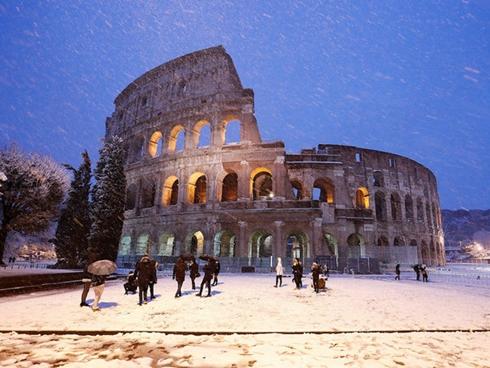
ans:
(206, 257)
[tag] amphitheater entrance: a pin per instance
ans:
(355, 246)
(194, 243)
(166, 245)
(262, 184)
(329, 252)
(142, 244)
(224, 244)
(260, 244)
(297, 246)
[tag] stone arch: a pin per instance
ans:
(323, 190)
(176, 139)
(380, 206)
(413, 243)
(297, 245)
(232, 131)
(229, 187)
(225, 244)
(201, 134)
(170, 195)
(197, 188)
(156, 144)
(148, 191)
(260, 244)
(125, 245)
(362, 197)
(131, 195)
(398, 241)
(142, 244)
(194, 243)
(383, 241)
(355, 242)
(408, 207)
(297, 189)
(378, 179)
(261, 183)
(166, 244)
(420, 210)
(396, 208)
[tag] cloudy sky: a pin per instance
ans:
(405, 77)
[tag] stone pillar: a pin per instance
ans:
(244, 181)
(316, 239)
(242, 242)
(278, 249)
(189, 137)
(279, 178)
(217, 131)
(182, 196)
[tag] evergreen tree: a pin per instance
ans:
(107, 207)
(73, 229)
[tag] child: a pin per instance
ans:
(130, 285)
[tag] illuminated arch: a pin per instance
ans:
(170, 193)
(362, 198)
(196, 188)
(261, 183)
(166, 244)
(176, 133)
(201, 138)
(225, 244)
(323, 190)
(194, 243)
(155, 145)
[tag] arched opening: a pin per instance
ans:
(148, 190)
(196, 189)
(297, 189)
(156, 144)
(261, 184)
(362, 198)
(176, 139)
(232, 132)
(398, 241)
(194, 243)
(131, 197)
(420, 210)
(382, 241)
(323, 191)
(413, 243)
(142, 244)
(396, 211)
(378, 179)
(170, 191)
(297, 245)
(261, 244)
(166, 244)
(424, 250)
(380, 204)
(202, 134)
(229, 190)
(224, 244)
(125, 245)
(355, 242)
(427, 214)
(408, 207)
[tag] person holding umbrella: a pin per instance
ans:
(99, 270)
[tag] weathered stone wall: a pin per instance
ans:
(249, 199)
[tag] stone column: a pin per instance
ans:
(278, 178)
(316, 239)
(244, 181)
(243, 243)
(217, 131)
(277, 250)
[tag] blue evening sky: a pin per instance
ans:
(409, 77)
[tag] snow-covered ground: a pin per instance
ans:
(250, 303)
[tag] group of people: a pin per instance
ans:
(297, 267)
(211, 271)
(420, 269)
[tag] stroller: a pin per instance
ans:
(131, 284)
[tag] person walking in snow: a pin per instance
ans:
(208, 276)
(425, 274)
(87, 281)
(217, 268)
(416, 268)
(315, 273)
(144, 272)
(179, 275)
(279, 272)
(397, 272)
(153, 278)
(193, 272)
(98, 284)
(297, 273)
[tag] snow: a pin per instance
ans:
(249, 304)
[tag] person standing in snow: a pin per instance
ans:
(397, 272)
(98, 284)
(279, 272)
(143, 271)
(297, 273)
(179, 275)
(87, 281)
(217, 268)
(315, 273)
(194, 272)
(416, 268)
(425, 274)
(208, 276)
(153, 278)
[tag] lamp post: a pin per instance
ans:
(3, 179)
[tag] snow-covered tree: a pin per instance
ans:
(32, 193)
(107, 207)
(73, 229)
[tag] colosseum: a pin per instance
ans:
(202, 181)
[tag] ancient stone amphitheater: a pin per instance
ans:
(201, 180)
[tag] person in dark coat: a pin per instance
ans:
(144, 271)
(416, 268)
(425, 274)
(209, 269)
(194, 272)
(397, 272)
(153, 278)
(217, 268)
(315, 273)
(131, 284)
(179, 275)
(297, 273)
(87, 281)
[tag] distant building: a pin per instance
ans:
(192, 188)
